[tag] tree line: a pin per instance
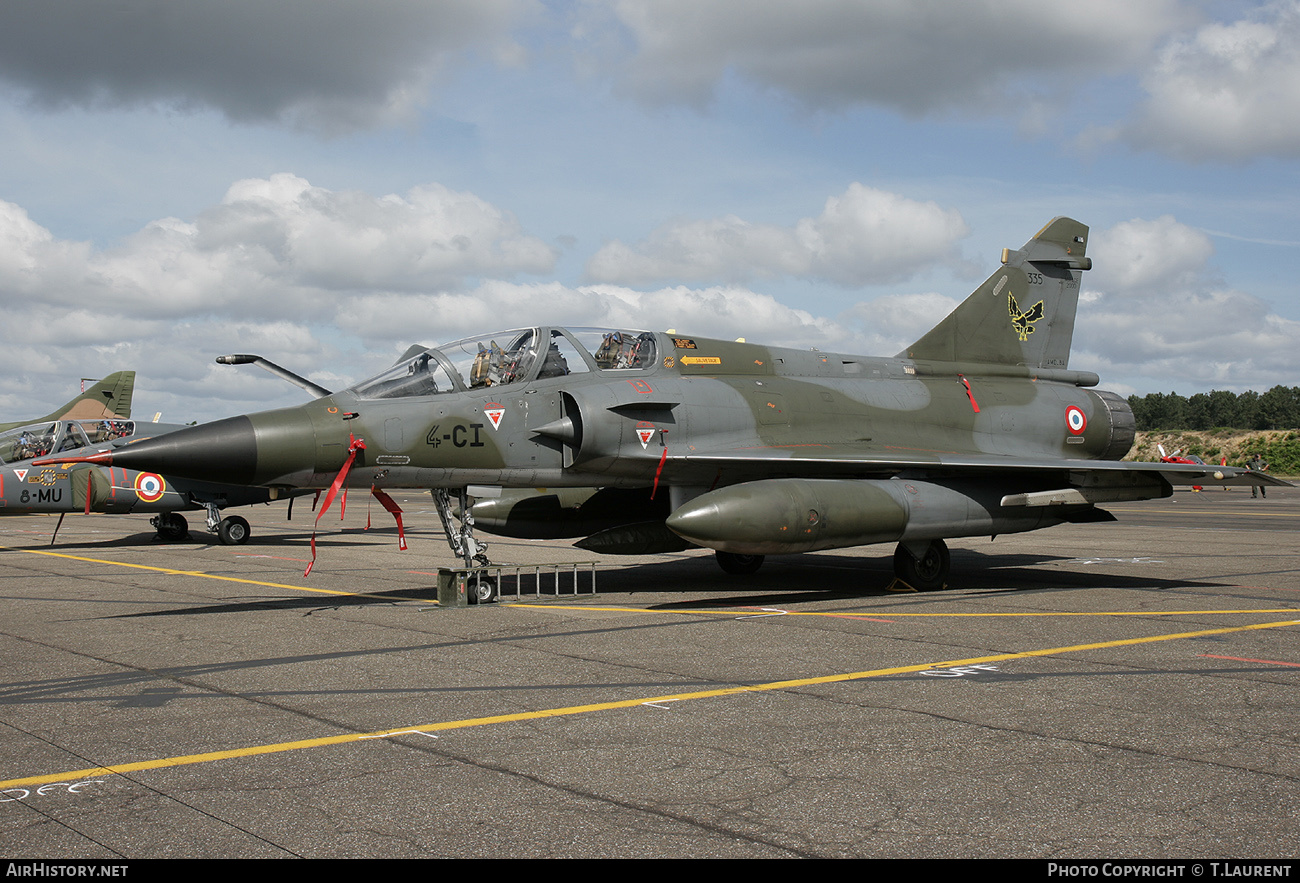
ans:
(1279, 408)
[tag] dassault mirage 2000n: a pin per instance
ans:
(96, 421)
(979, 428)
(27, 487)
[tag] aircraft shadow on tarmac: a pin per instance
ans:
(201, 539)
(783, 580)
(839, 577)
(308, 605)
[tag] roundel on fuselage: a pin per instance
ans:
(1075, 420)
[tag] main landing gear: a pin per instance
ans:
(738, 565)
(921, 566)
(173, 528)
(925, 571)
(460, 536)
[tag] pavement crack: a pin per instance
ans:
(585, 794)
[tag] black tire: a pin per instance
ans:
(481, 591)
(233, 531)
(172, 528)
(738, 565)
(928, 573)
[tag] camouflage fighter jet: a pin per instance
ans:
(979, 428)
(26, 488)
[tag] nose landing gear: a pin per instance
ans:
(232, 531)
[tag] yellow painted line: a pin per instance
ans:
(1216, 512)
(199, 573)
(883, 614)
(254, 750)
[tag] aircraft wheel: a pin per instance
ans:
(482, 591)
(233, 531)
(738, 565)
(171, 527)
(926, 573)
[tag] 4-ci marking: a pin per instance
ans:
(460, 435)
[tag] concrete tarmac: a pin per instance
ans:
(1106, 690)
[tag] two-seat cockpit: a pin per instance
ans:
(59, 436)
(508, 357)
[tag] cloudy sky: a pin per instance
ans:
(325, 182)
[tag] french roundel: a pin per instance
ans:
(150, 487)
(1075, 421)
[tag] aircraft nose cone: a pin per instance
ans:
(224, 451)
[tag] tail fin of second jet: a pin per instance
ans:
(1024, 313)
(108, 399)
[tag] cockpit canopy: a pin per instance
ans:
(43, 439)
(509, 357)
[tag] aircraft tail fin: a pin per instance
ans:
(1024, 313)
(108, 399)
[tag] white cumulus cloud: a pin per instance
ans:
(267, 269)
(393, 321)
(862, 236)
(887, 325)
(1228, 91)
(1146, 258)
(1156, 313)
